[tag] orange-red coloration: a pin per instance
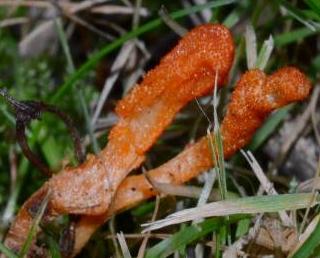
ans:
(188, 71)
(255, 96)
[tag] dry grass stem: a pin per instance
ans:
(251, 46)
(117, 65)
(266, 185)
(172, 24)
(143, 245)
(123, 245)
(249, 205)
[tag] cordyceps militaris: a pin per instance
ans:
(100, 187)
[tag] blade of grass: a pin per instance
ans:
(123, 245)
(293, 36)
(54, 248)
(246, 205)
(297, 14)
(77, 91)
(111, 225)
(173, 25)
(232, 19)
(305, 217)
(34, 227)
(7, 114)
(207, 188)
(216, 146)
(143, 209)
(217, 150)
(265, 53)
(209, 182)
(309, 241)
(314, 5)
(86, 67)
(265, 184)
(251, 46)
(142, 249)
(243, 227)
(269, 127)
(188, 235)
(6, 251)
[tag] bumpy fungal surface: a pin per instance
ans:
(99, 188)
(255, 96)
(186, 72)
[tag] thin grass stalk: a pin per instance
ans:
(217, 150)
(123, 245)
(114, 237)
(251, 46)
(265, 53)
(34, 227)
(6, 251)
(305, 217)
(78, 90)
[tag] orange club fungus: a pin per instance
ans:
(100, 187)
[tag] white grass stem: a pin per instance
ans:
(123, 245)
(172, 24)
(265, 183)
(251, 46)
(247, 205)
(265, 53)
(119, 62)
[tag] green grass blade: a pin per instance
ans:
(52, 151)
(232, 19)
(293, 36)
(310, 244)
(77, 91)
(269, 127)
(188, 235)
(143, 209)
(6, 251)
(54, 248)
(246, 205)
(265, 53)
(217, 147)
(297, 14)
(314, 5)
(34, 227)
(243, 227)
(86, 67)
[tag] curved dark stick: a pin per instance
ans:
(26, 111)
(21, 138)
